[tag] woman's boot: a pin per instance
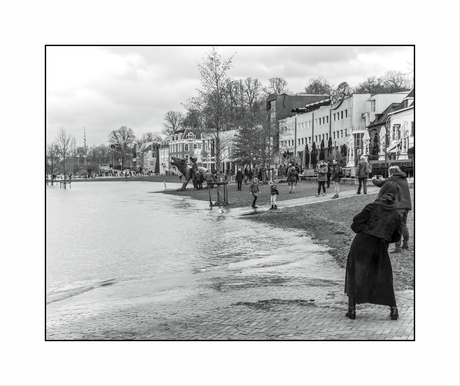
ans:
(394, 313)
(351, 308)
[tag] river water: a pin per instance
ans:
(107, 233)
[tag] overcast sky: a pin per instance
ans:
(103, 88)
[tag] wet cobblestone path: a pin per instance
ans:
(236, 303)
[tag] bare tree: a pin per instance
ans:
(277, 86)
(173, 122)
(65, 145)
(212, 102)
(52, 158)
(151, 136)
(372, 85)
(252, 92)
(395, 81)
(121, 140)
(318, 86)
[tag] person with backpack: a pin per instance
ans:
(404, 205)
(336, 177)
(363, 171)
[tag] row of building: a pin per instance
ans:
(155, 157)
(380, 126)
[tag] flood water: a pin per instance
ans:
(104, 233)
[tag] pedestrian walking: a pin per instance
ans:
(404, 205)
(336, 177)
(369, 276)
(239, 179)
(329, 173)
(273, 193)
(322, 176)
(363, 171)
(292, 178)
(254, 189)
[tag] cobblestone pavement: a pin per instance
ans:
(266, 300)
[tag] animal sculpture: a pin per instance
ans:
(187, 171)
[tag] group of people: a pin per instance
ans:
(369, 275)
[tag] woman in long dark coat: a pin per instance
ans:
(369, 276)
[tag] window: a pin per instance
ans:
(346, 113)
(341, 115)
(186, 147)
(195, 146)
(327, 119)
(298, 141)
(341, 133)
(327, 137)
(373, 105)
(324, 120)
(303, 141)
(345, 132)
(412, 129)
(333, 116)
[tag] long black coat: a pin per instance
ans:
(369, 276)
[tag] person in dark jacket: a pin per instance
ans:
(292, 178)
(322, 171)
(329, 173)
(336, 172)
(209, 179)
(199, 180)
(362, 172)
(404, 206)
(369, 276)
(239, 179)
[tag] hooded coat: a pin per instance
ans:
(369, 276)
(401, 179)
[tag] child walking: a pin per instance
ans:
(273, 193)
(254, 189)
